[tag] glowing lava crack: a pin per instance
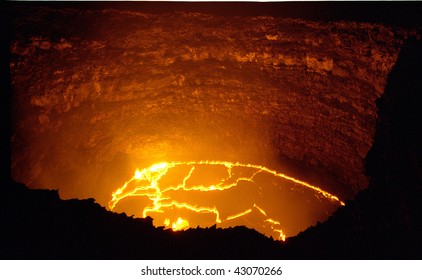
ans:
(172, 191)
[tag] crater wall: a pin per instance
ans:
(98, 93)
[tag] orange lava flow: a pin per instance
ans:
(147, 183)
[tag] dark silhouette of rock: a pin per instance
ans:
(37, 224)
(385, 220)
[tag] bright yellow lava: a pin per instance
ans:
(146, 183)
(180, 224)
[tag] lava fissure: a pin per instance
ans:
(148, 183)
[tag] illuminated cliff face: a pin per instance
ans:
(98, 94)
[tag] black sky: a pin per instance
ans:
(402, 13)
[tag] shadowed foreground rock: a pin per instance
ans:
(37, 224)
(385, 220)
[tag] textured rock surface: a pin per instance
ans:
(385, 220)
(98, 93)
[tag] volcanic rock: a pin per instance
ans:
(98, 93)
(384, 221)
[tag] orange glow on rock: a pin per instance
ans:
(205, 193)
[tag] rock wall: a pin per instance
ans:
(98, 93)
(384, 220)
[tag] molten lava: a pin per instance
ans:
(180, 195)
